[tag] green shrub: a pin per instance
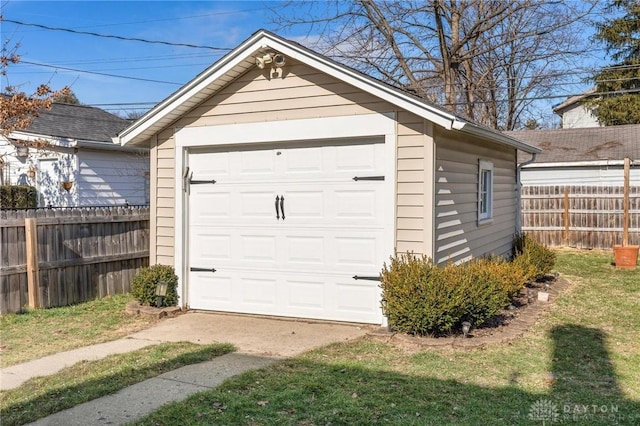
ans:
(421, 298)
(18, 197)
(143, 286)
(535, 259)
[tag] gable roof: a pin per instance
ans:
(584, 144)
(242, 58)
(77, 122)
(571, 100)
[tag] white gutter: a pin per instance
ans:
(597, 163)
(519, 191)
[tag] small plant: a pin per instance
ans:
(535, 259)
(143, 286)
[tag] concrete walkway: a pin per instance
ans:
(260, 342)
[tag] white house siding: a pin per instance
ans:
(578, 175)
(14, 170)
(578, 116)
(458, 236)
(110, 178)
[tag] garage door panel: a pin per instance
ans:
(357, 299)
(208, 205)
(258, 248)
(305, 295)
(257, 291)
(305, 250)
(353, 253)
(256, 205)
(211, 290)
(211, 248)
(259, 162)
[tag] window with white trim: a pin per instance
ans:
(485, 191)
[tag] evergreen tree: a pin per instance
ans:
(620, 84)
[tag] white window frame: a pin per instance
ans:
(485, 195)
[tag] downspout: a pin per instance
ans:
(519, 191)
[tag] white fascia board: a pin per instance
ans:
(495, 136)
(109, 147)
(599, 163)
(34, 137)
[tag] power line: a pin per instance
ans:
(117, 37)
(101, 73)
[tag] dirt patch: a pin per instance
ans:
(512, 323)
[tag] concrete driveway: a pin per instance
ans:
(268, 337)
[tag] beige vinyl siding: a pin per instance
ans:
(458, 236)
(163, 216)
(303, 93)
(414, 192)
(252, 97)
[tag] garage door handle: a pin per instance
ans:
(277, 207)
(282, 206)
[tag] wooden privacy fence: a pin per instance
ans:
(580, 216)
(58, 257)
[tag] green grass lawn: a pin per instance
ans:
(41, 332)
(580, 364)
(43, 396)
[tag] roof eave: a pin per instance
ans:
(486, 133)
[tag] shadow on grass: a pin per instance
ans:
(583, 390)
(62, 397)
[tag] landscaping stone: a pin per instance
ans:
(134, 308)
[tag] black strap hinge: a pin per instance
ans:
(358, 277)
(357, 178)
(194, 269)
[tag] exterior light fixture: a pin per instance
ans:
(161, 292)
(262, 61)
(66, 185)
(277, 60)
(466, 327)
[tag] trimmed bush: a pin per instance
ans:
(421, 298)
(18, 197)
(535, 259)
(143, 286)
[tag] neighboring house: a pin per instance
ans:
(68, 154)
(585, 156)
(575, 113)
(282, 181)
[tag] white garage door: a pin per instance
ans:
(287, 229)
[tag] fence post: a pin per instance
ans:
(566, 216)
(33, 273)
(625, 214)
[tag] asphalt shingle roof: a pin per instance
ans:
(582, 144)
(77, 122)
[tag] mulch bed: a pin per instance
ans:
(512, 323)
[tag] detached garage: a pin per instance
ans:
(281, 181)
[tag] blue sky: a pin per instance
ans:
(212, 23)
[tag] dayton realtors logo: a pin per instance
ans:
(547, 412)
